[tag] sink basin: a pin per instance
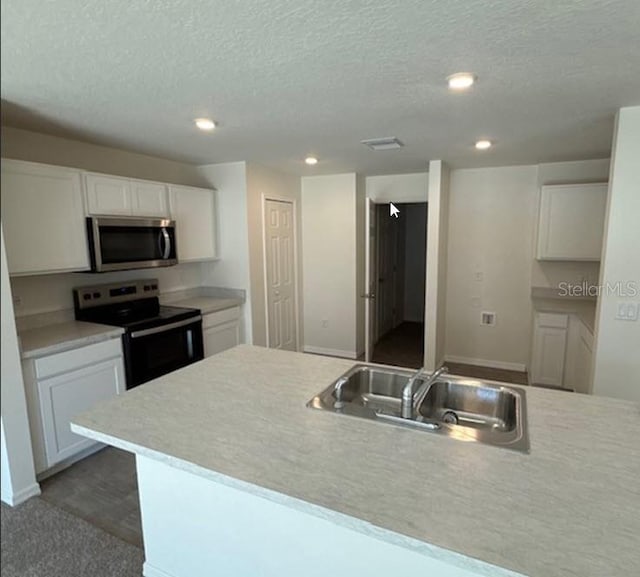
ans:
(458, 407)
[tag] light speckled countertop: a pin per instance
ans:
(56, 338)
(208, 305)
(569, 508)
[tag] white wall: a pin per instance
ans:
(48, 293)
(398, 187)
(617, 365)
(437, 249)
(329, 221)
(415, 255)
(18, 474)
(263, 181)
(232, 270)
(491, 229)
(37, 147)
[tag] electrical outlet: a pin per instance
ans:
(487, 318)
(325, 323)
(479, 276)
(17, 301)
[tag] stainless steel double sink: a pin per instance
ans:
(458, 407)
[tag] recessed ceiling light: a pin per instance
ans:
(311, 160)
(461, 81)
(205, 123)
(483, 144)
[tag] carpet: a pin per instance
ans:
(40, 540)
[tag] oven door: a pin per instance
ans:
(150, 353)
(126, 243)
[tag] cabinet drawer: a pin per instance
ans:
(220, 317)
(552, 320)
(76, 358)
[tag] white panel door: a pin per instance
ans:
(193, 209)
(549, 344)
(385, 294)
(107, 194)
(43, 218)
(66, 395)
(280, 275)
(149, 199)
(370, 278)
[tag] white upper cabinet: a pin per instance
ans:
(113, 195)
(107, 194)
(43, 218)
(149, 198)
(571, 222)
(193, 209)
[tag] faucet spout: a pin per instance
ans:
(421, 393)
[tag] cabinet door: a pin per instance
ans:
(43, 218)
(193, 209)
(583, 361)
(571, 222)
(65, 396)
(220, 338)
(547, 367)
(149, 199)
(107, 194)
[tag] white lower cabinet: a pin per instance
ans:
(562, 352)
(549, 346)
(60, 387)
(221, 331)
(580, 358)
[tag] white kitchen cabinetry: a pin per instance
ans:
(43, 218)
(194, 211)
(549, 346)
(583, 359)
(149, 199)
(63, 385)
(571, 222)
(221, 331)
(113, 195)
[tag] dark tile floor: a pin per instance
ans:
(101, 489)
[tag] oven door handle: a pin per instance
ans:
(164, 328)
(164, 240)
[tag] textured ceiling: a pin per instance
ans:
(289, 77)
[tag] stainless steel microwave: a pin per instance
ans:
(122, 243)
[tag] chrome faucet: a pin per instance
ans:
(410, 400)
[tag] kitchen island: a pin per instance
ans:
(238, 477)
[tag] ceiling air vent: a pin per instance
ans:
(389, 143)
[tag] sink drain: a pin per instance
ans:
(450, 418)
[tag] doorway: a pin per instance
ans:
(280, 258)
(399, 262)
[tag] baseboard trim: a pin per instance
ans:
(520, 367)
(23, 495)
(331, 352)
(149, 570)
